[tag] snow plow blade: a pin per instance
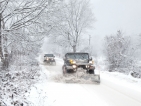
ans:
(92, 78)
(95, 78)
(86, 78)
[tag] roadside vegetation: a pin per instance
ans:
(24, 24)
(121, 54)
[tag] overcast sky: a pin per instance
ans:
(112, 15)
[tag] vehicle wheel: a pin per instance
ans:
(91, 71)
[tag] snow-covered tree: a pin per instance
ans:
(22, 29)
(75, 18)
(14, 16)
(119, 52)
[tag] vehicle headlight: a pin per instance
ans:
(87, 66)
(72, 62)
(74, 66)
(91, 62)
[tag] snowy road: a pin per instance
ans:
(108, 93)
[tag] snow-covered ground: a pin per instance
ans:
(116, 89)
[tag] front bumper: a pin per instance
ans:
(81, 65)
(48, 61)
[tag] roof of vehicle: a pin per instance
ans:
(49, 55)
(77, 53)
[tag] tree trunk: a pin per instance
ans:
(74, 48)
(3, 57)
(1, 54)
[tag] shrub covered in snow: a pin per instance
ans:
(17, 80)
(120, 54)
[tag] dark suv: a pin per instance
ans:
(49, 59)
(73, 61)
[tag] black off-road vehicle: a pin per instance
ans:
(75, 61)
(49, 59)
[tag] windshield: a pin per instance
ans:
(77, 56)
(49, 55)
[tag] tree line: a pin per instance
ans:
(23, 26)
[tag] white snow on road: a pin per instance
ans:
(116, 89)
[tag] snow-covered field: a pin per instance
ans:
(116, 89)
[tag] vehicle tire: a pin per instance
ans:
(91, 71)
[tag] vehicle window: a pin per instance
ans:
(77, 56)
(49, 55)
